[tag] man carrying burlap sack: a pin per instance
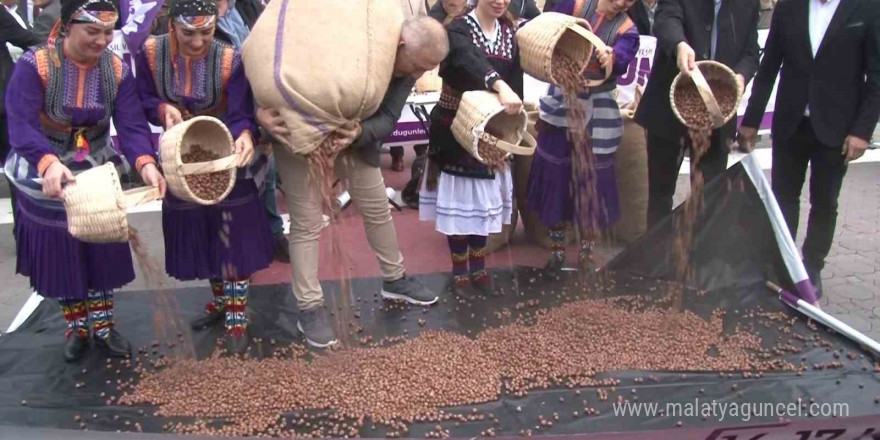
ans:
(423, 45)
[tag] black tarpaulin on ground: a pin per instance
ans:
(735, 252)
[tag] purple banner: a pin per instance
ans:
(137, 17)
(408, 132)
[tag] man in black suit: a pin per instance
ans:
(10, 32)
(642, 14)
(827, 106)
(689, 30)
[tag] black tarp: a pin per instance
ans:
(734, 253)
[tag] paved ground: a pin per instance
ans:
(852, 281)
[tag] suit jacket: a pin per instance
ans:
(841, 84)
(11, 32)
(44, 23)
(691, 21)
(638, 13)
(22, 11)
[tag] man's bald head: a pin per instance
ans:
(423, 45)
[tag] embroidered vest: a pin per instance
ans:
(64, 88)
(198, 85)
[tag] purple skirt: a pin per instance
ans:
(230, 240)
(550, 181)
(60, 266)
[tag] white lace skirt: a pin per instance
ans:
(468, 206)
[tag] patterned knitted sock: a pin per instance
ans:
(236, 306)
(74, 310)
(477, 258)
(101, 312)
(458, 247)
(557, 243)
(218, 304)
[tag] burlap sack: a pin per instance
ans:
(631, 168)
(322, 63)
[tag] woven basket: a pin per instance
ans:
(212, 136)
(481, 113)
(430, 81)
(96, 206)
(704, 71)
(539, 38)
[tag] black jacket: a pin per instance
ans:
(691, 20)
(526, 9)
(841, 85)
(638, 13)
(378, 127)
(11, 32)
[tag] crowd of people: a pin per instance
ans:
(63, 92)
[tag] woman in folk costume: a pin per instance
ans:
(60, 100)
(550, 181)
(180, 75)
(467, 200)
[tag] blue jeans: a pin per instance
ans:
(276, 224)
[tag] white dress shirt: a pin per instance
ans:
(821, 13)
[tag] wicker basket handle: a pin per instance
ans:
(597, 44)
(139, 196)
(213, 166)
(708, 97)
(528, 150)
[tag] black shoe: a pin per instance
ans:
(75, 348)
(114, 345)
(208, 320)
(281, 250)
(237, 345)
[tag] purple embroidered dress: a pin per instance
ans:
(60, 112)
(215, 86)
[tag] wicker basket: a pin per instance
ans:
(539, 38)
(211, 135)
(709, 70)
(96, 206)
(430, 81)
(481, 112)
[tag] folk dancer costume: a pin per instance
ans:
(550, 180)
(214, 85)
(60, 111)
(469, 201)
